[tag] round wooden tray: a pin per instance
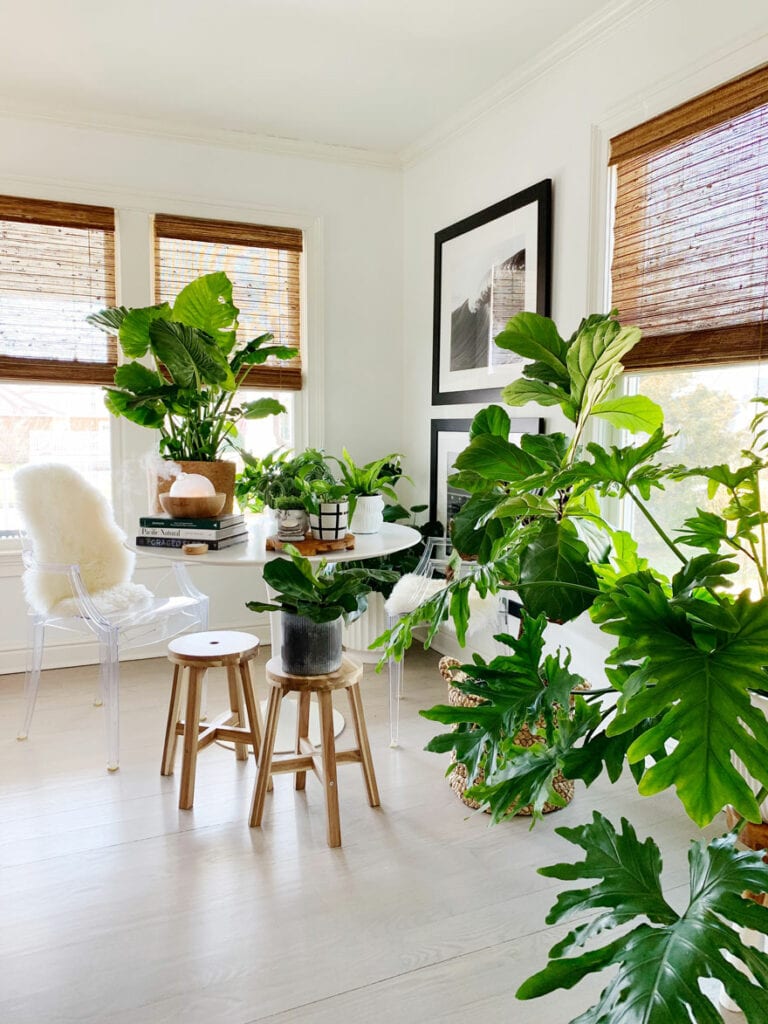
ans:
(312, 546)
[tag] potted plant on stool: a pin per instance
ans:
(188, 394)
(314, 604)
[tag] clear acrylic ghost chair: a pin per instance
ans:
(437, 563)
(147, 620)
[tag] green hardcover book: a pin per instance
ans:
(215, 523)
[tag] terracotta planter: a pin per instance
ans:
(221, 474)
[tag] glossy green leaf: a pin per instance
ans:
(535, 337)
(556, 577)
(262, 407)
(659, 964)
(634, 413)
(134, 333)
(206, 304)
(191, 357)
(495, 458)
(491, 420)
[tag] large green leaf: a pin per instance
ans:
(190, 356)
(634, 413)
(594, 359)
(659, 964)
(491, 420)
(700, 694)
(495, 458)
(134, 330)
(262, 407)
(535, 337)
(206, 303)
(523, 391)
(556, 577)
(139, 379)
(142, 410)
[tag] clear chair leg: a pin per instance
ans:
(35, 645)
(395, 687)
(111, 692)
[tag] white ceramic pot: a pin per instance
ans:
(369, 514)
(331, 522)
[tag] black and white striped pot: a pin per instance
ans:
(331, 522)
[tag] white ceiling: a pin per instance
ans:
(373, 74)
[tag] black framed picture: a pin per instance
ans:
(488, 267)
(448, 438)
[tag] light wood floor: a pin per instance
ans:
(117, 908)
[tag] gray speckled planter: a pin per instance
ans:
(310, 648)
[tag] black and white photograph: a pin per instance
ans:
(448, 438)
(488, 268)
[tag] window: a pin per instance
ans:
(690, 267)
(57, 265)
(264, 265)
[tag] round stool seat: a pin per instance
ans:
(216, 644)
(350, 672)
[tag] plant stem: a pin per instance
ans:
(657, 526)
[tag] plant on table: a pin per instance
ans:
(370, 480)
(189, 392)
(688, 655)
(278, 475)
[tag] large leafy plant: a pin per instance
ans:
(188, 393)
(279, 474)
(689, 653)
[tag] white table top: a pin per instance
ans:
(393, 537)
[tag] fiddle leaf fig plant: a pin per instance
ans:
(690, 654)
(188, 393)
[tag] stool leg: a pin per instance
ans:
(325, 700)
(254, 714)
(235, 703)
(302, 732)
(191, 732)
(171, 736)
(262, 779)
(361, 733)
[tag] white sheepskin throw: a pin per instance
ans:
(412, 590)
(69, 521)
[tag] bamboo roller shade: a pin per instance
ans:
(263, 263)
(57, 265)
(690, 257)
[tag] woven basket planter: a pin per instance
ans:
(457, 779)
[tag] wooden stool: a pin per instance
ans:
(323, 762)
(198, 652)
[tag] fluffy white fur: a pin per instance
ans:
(69, 521)
(412, 590)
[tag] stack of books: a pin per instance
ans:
(166, 532)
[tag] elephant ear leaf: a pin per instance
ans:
(190, 355)
(206, 303)
(659, 964)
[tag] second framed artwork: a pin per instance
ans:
(448, 438)
(488, 267)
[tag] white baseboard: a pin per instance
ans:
(83, 652)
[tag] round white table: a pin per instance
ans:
(393, 537)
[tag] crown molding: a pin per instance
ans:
(606, 21)
(189, 133)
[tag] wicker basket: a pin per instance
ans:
(457, 779)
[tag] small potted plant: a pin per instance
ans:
(314, 604)
(188, 394)
(281, 473)
(328, 507)
(366, 485)
(292, 519)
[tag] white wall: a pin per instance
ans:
(352, 215)
(556, 125)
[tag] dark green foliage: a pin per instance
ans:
(321, 594)
(659, 964)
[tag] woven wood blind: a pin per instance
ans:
(57, 265)
(690, 259)
(263, 264)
